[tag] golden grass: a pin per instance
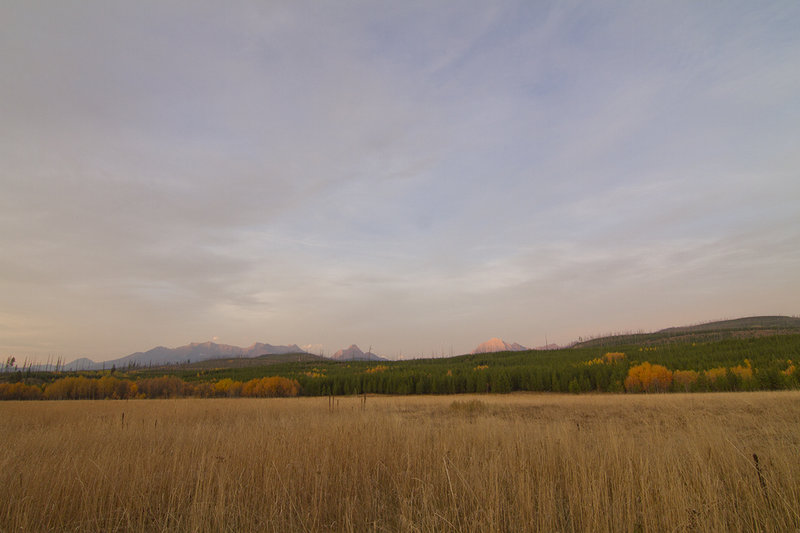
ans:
(468, 463)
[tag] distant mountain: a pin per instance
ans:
(354, 353)
(498, 345)
(81, 364)
(551, 346)
(196, 351)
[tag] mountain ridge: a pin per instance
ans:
(194, 351)
(354, 353)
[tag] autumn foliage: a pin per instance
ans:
(109, 387)
(19, 391)
(163, 387)
(80, 387)
(608, 359)
(684, 380)
(648, 378)
(271, 387)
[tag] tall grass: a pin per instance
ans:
(502, 463)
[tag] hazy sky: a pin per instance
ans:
(414, 176)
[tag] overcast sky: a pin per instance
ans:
(414, 176)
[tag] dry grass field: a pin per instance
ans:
(466, 463)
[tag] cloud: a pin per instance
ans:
(318, 349)
(285, 171)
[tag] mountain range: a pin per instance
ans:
(196, 351)
(203, 351)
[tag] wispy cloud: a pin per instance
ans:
(407, 175)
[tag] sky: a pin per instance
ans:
(412, 176)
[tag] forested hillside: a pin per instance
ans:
(739, 328)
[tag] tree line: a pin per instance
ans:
(612, 373)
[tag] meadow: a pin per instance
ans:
(513, 462)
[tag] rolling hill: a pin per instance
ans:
(739, 328)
